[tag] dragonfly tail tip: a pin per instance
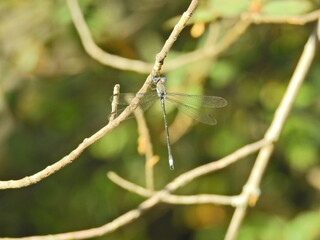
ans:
(171, 165)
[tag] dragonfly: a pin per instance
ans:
(195, 106)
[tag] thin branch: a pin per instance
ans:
(129, 186)
(191, 175)
(145, 147)
(200, 199)
(96, 52)
(295, 20)
(115, 102)
(252, 186)
(175, 199)
(173, 36)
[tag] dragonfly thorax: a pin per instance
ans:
(161, 90)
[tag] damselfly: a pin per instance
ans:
(192, 105)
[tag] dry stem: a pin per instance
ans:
(145, 147)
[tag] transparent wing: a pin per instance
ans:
(126, 98)
(199, 115)
(198, 100)
(144, 106)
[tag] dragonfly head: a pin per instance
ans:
(155, 80)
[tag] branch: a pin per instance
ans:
(175, 199)
(129, 186)
(200, 199)
(115, 102)
(145, 147)
(251, 189)
(189, 176)
(96, 52)
(295, 20)
(173, 36)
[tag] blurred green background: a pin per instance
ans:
(53, 95)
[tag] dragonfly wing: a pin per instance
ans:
(196, 114)
(198, 100)
(126, 98)
(144, 106)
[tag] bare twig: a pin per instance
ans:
(295, 20)
(115, 102)
(173, 37)
(200, 199)
(145, 147)
(251, 189)
(189, 176)
(175, 199)
(96, 52)
(131, 187)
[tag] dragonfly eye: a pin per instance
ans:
(155, 79)
(163, 79)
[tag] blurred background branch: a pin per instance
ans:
(97, 53)
(145, 147)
